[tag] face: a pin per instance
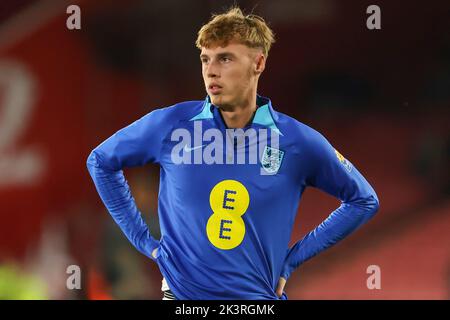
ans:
(231, 73)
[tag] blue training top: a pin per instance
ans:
(226, 223)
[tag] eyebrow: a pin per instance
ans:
(219, 55)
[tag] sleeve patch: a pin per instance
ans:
(348, 166)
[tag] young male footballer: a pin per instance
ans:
(232, 172)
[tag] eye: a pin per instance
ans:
(204, 60)
(225, 59)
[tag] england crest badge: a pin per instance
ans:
(271, 160)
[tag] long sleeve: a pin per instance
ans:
(135, 145)
(332, 173)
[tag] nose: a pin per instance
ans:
(212, 70)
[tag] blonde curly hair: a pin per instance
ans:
(233, 26)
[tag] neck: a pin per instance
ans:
(240, 115)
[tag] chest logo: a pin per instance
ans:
(229, 200)
(271, 159)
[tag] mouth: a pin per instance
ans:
(214, 88)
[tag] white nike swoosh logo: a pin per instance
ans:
(187, 149)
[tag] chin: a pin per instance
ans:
(216, 100)
(220, 102)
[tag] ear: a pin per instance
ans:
(260, 63)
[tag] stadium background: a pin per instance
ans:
(382, 97)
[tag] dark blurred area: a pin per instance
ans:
(382, 97)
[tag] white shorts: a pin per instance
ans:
(167, 294)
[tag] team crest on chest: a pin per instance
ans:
(271, 159)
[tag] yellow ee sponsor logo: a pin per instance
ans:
(229, 200)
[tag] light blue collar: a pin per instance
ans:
(264, 115)
(206, 111)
